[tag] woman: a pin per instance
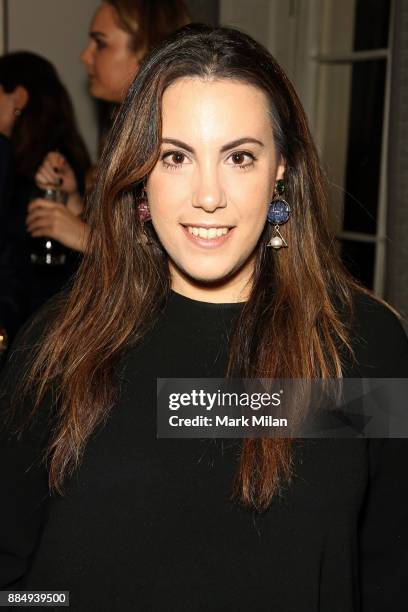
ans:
(208, 129)
(122, 32)
(36, 117)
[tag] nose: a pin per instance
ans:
(208, 193)
(86, 55)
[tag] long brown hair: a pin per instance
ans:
(294, 324)
(48, 121)
(150, 22)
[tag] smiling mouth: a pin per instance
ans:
(208, 233)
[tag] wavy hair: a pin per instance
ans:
(295, 323)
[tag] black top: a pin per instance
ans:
(5, 178)
(147, 523)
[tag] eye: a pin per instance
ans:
(173, 159)
(97, 41)
(242, 159)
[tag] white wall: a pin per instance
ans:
(1, 27)
(288, 29)
(58, 30)
(251, 17)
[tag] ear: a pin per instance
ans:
(280, 170)
(20, 97)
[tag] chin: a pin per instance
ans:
(93, 91)
(211, 275)
(96, 92)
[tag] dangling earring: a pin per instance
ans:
(17, 112)
(143, 212)
(278, 213)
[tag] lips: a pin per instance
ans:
(208, 236)
(207, 232)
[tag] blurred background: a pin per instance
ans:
(349, 63)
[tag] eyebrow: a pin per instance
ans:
(226, 147)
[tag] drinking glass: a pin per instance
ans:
(46, 251)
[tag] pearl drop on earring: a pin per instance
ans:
(276, 242)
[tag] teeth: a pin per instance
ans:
(211, 232)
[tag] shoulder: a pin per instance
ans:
(378, 338)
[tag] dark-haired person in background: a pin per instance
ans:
(121, 34)
(8, 113)
(36, 116)
(125, 520)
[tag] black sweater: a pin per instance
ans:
(147, 523)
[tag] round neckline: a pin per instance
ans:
(183, 299)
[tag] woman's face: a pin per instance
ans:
(108, 58)
(210, 190)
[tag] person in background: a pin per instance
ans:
(8, 113)
(121, 34)
(9, 110)
(36, 116)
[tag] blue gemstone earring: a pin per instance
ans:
(278, 213)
